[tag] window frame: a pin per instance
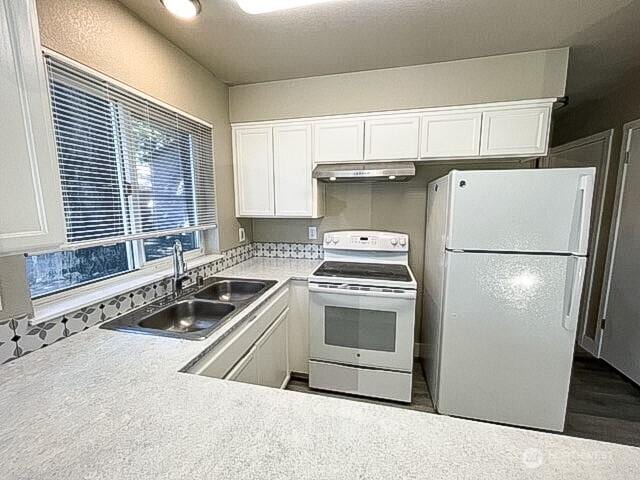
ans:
(141, 267)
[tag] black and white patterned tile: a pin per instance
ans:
(84, 318)
(8, 345)
(309, 251)
(31, 338)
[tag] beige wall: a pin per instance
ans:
(397, 207)
(529, 75)
(106, 36)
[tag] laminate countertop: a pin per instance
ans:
(113, 405)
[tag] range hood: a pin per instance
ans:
(365, 172)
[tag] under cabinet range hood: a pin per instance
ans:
(365, 172)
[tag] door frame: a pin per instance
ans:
(615, 221)
(592, 346)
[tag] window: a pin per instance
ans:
(136, 176)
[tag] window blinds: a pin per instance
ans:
(130, 167)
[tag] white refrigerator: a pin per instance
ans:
(505, 257)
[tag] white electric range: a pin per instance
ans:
(362, 301)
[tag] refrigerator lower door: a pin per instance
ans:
(508, 332)
(535, 210)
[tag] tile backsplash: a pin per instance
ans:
(308, 251)
(18, 337)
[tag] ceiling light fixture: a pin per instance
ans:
(183, 9)
(264, 6)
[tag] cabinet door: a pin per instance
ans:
(391, 137)
(272, 354)
(31, 213)
(246, 370)
(521, 131)
(298, 326)
(338, 141)
(292, 170)
(450, 135)
(253, 164)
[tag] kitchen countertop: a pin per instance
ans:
(112, 405)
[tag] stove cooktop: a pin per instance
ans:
(372, 271)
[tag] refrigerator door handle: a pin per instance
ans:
(572, 298)
(586, 191)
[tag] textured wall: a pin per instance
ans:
(106, 36)
(519, 76)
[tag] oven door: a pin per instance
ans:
(362, 326)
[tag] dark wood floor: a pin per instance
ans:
(603, 405)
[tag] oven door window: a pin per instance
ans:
(360, 329)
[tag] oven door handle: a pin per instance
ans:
(378, 293)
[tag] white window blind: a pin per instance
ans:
(130, 168)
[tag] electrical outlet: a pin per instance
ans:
(313, 233)
(241, 234)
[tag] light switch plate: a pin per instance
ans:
(313, 233)
(241, 235)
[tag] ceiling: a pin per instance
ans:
(352, 35)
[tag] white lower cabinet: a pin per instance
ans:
(246, 370)
(257, 352)
(220, 361)
(272, 355)
(298, 324)
(267, 362)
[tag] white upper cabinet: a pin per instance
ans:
(391, 137)
(515, 131)
(31, 213)
(292, 167)
(273, 172)
(253, 165)
(338, 141)
(450, 134)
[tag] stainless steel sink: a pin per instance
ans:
(187, 316)
(232, 290)
(198, 313)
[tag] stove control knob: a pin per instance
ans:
(394, 241)
(335, 239)
(403, 242)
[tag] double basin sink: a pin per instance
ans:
(198, 313)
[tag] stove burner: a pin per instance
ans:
(374, 271)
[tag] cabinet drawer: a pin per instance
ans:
(223, 357)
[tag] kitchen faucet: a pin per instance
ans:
(179, 268)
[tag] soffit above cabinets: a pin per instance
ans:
(241, 48)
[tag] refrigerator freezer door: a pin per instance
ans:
(542, 210)
(507, 343)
